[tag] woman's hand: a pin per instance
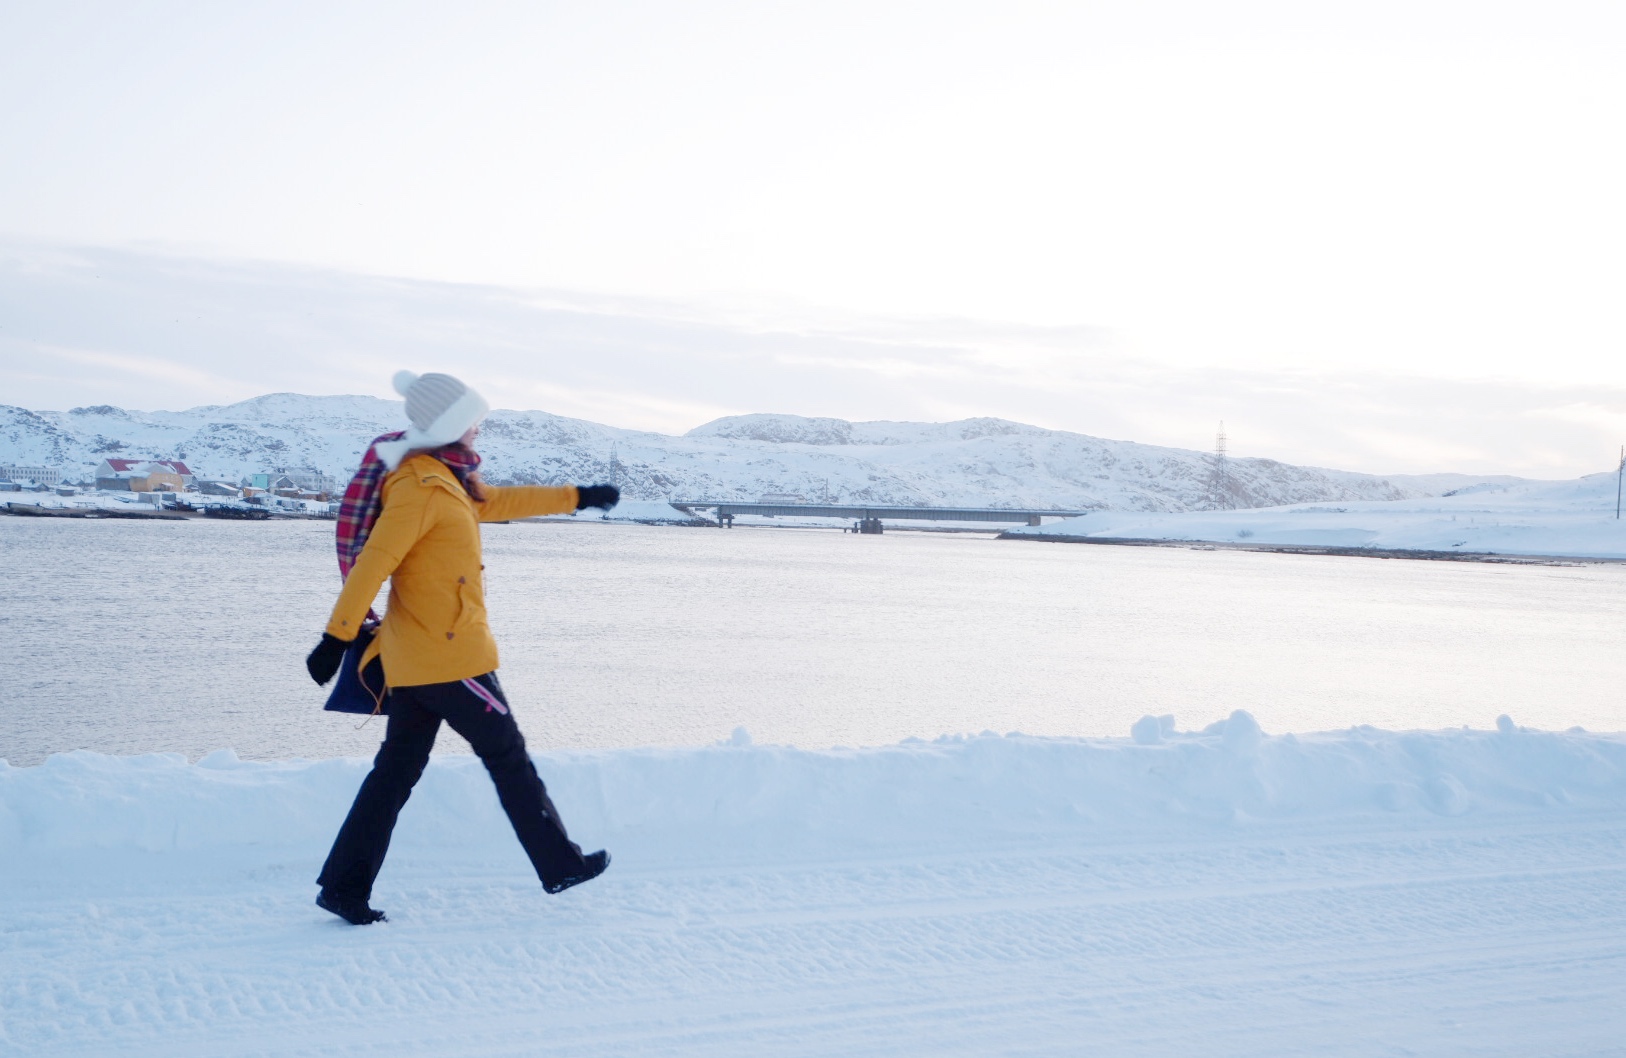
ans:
(324, 661)
(605, 496)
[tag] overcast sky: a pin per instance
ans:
(1384, 236)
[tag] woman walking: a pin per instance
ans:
(412, 515)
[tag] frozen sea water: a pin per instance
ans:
(189, 636)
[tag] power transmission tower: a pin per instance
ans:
(1219, 480)
(615, 467)
(1620, 475)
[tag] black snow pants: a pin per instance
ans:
(477, 709)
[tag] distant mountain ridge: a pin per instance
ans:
(972, 462)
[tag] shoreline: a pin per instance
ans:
(1422, 554)
(135, 514)
(27, 510)
(1414, 554)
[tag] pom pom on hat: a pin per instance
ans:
(403, 381)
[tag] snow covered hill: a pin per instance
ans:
(973, 462)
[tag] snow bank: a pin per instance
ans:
(1566, 518)
(645, 512)
(736, 800)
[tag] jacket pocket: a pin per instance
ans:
(471, 610)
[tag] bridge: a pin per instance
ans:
(868, 517)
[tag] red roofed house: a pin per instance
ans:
(143, 475)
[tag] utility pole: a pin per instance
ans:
(1219, 482)
(1620, 472)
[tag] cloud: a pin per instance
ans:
(144, 329)
(173, 376)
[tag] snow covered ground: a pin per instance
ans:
(1223, 892)
(645, 512)
(1563, 518)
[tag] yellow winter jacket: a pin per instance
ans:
(427, 543)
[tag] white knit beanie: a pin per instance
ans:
(440, 408)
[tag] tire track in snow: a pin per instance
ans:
(1478, 946)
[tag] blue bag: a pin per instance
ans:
(359, 690)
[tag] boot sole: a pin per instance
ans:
(559, 887)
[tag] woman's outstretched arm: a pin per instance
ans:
(505, 503)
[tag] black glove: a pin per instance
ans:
(605, 496)
(324, 661)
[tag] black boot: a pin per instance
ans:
(353, 910)
(593, 865)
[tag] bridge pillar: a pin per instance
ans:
(1034, 519)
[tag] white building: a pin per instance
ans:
(38, 475)
(310, 480)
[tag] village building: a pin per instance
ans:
(20, 475)
(308, 479)
(143, 475)
(286, 486)
(303, 484)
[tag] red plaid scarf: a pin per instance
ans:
(364, 498)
